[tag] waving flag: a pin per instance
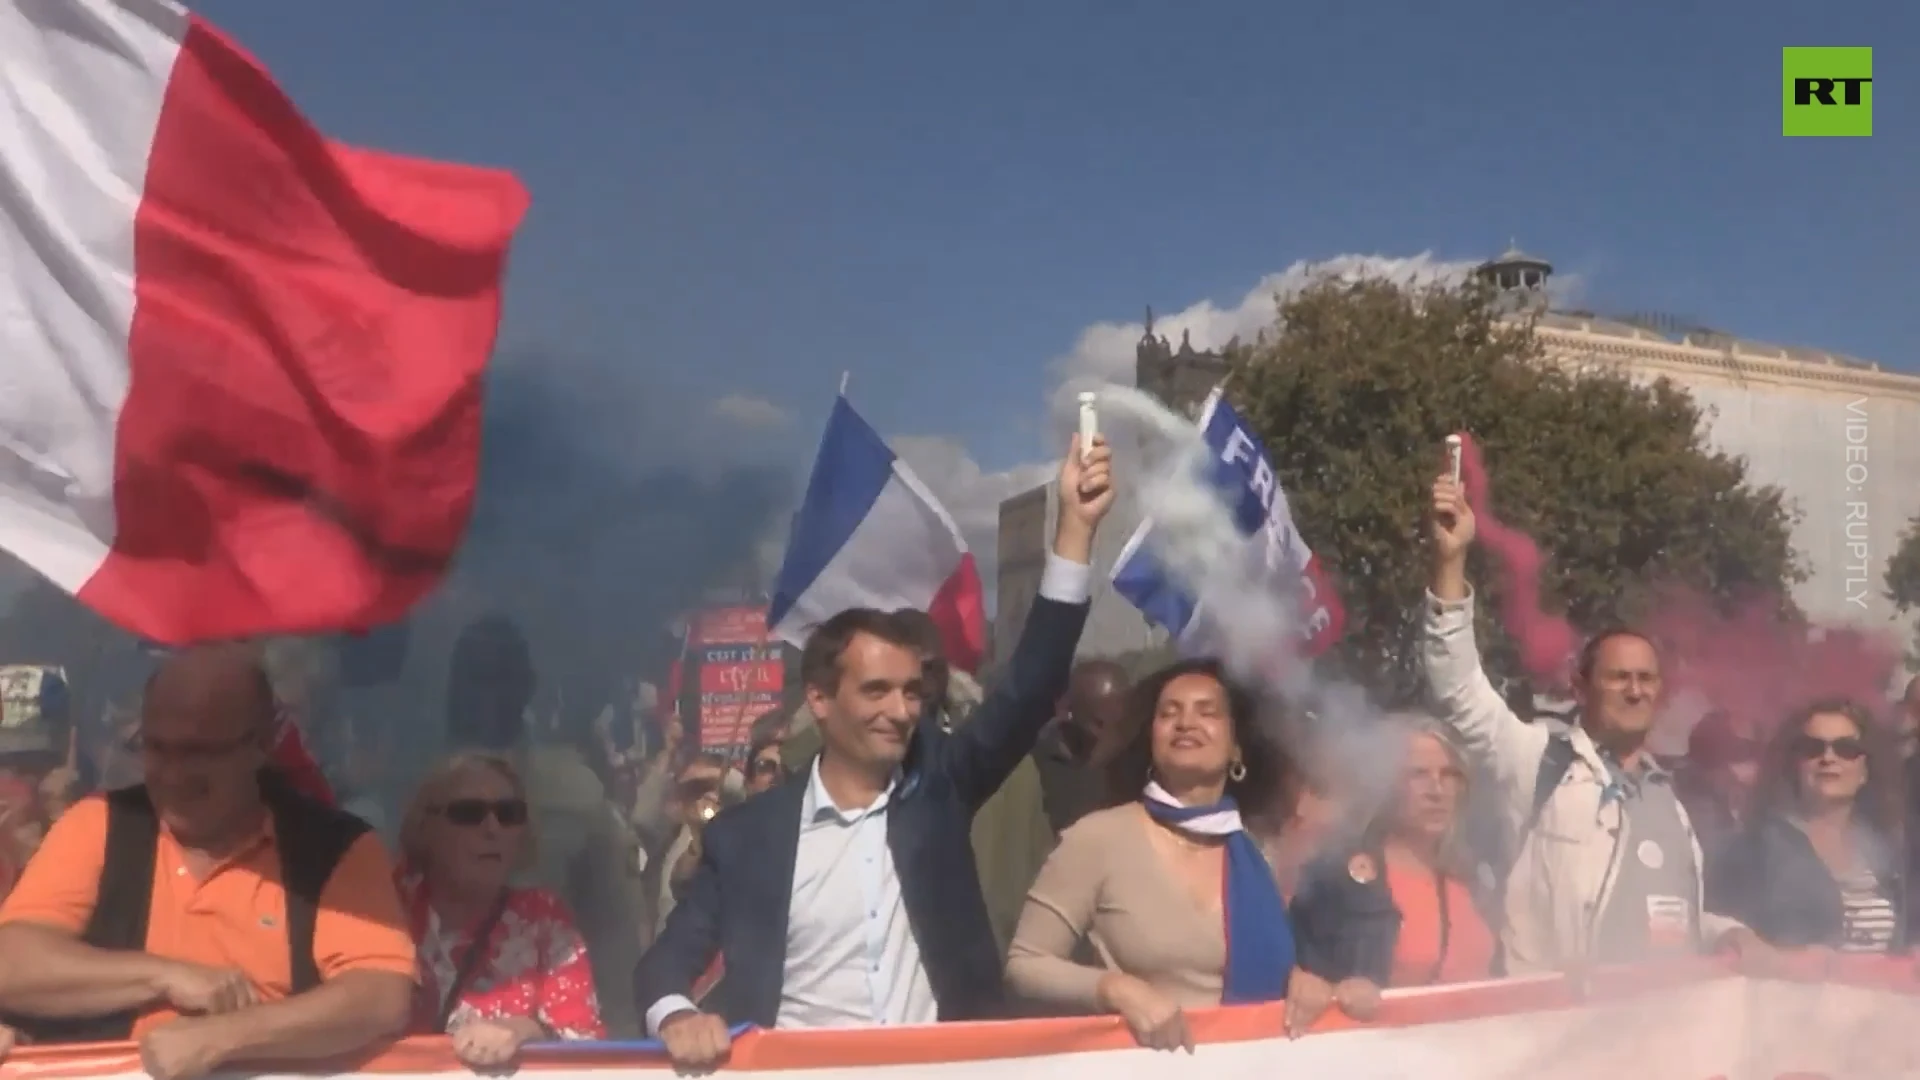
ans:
(869, 534)
(1244, 475)
(241, 383)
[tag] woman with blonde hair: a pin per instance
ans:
(1402, 907)
(500, 966)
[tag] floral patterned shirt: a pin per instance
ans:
(535, 966)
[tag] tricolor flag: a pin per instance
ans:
(870, 534)
(240, 365)
(1279, 558)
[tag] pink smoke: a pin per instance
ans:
(1547, 643)
(1760, 667)
(1748, 661)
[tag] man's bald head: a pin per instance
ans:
(206, 724)
(1096, 700)
(1097, 678)
(225, 687)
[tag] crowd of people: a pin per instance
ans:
(907, 849)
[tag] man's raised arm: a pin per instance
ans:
(1496, 740)
(1004, 729)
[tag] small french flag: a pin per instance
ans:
(870, 534)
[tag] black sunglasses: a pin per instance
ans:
(1847, 749)
(468, 813)
(765, 766)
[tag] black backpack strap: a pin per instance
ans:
(120, 913)
(312, 838)
(1555, 761)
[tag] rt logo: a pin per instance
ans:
(1826, 91)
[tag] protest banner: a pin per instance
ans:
(740, 670)
(1694, 1021)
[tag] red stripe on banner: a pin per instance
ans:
(300, 441)
(959, 611)
(973, 1042)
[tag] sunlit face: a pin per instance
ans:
(1832, 757)
(1431, 785)
(870, 715)
(1621, 695)
(201, 750)
(476, 832)
(1193, 739)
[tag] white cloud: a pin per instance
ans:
(1104, 353)
(752, 412)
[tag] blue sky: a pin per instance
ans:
(748, 198)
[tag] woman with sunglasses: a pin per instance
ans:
(1821, 863)
(500, 966)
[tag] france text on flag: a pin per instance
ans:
(1240, 469)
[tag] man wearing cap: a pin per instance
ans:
(37, 778)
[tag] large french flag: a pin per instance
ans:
(870, 534)
(240, 364)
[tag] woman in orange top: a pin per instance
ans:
(1402, 907)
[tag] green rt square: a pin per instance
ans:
(1826, 91)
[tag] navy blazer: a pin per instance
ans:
(736, 903)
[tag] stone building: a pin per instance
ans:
(1840, 436)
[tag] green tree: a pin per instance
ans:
(1354, 393)
(1903, 581)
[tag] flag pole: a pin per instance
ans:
(844, 376)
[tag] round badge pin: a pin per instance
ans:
(1361, 869)
(1651, 856)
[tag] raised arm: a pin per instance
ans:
(1496, 741)
(1003, 730)
(985, 751)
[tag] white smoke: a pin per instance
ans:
(1252, 629)
(1256, 630)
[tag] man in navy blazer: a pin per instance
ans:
(848, 895)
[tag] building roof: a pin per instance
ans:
(1699, 338)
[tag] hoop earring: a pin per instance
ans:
(1237, 771)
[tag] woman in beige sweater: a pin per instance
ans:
(1161, 883)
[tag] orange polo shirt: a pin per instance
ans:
(233, 918)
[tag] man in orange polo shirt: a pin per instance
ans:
(214, 915)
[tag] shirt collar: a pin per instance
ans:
(819, 805)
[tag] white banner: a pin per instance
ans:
(1696, 1023)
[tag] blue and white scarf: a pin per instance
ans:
(1259, 935)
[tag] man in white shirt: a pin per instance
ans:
(848, 895)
